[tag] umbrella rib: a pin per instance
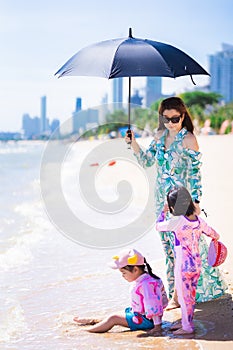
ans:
(112, 75)
(158, 51)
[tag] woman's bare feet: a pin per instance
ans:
(173, 304)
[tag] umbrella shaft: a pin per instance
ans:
(129, 102)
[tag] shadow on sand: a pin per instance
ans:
(213, 321)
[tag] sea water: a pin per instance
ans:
(46, 278)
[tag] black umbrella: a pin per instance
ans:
(130, 57)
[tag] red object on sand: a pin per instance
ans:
(112, 163)
(94, 164)
(217, 253)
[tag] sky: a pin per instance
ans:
(38, 37)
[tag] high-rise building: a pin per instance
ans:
(117, 92)
(221, 72)
(153, 89)
(43, 117)
(75, 116)
(84, 119)
(30, 126)
(103, 109)
(78, 106)
(54, 127)
(136, 99)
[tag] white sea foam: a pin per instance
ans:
(18, 248)
(12, 147)
(15, 257)
(13, 324)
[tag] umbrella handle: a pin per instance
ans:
(129, 134)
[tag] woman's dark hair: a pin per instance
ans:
(177, 104)
(146, 268)
(180, 202)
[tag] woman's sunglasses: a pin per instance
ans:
(174, 120)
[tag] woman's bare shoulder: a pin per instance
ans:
(190, 141)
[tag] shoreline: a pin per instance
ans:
(41, 310)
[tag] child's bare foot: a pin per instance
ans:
(154, 331)
(181, 331)
(85, 321)
(175, 326)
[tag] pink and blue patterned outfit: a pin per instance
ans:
(188, 263)
(179, 166)
(148, 300)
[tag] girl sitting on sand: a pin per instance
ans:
(148, 296)
(187, 228)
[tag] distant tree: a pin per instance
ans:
(118, 116)
(200, 98)
(140, 117)
(155, 105)
(145, 116)
(219, 115)
(198, 103)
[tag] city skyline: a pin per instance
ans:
(37, 38)
(221, 70)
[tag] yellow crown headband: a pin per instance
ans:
(132, 260)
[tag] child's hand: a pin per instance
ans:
(156, 331)
(165, 208)
(197, 209)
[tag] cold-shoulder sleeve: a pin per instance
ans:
(147, 158)
(194, 174)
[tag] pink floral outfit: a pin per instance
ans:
(148, 300)
(187, 234)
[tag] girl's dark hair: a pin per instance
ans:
(177, 104)
(146, 268)
(180, 201)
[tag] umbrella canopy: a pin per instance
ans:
(130, 57)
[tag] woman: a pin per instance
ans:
(175, 152)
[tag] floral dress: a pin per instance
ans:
(179, 166)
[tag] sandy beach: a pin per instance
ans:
(47, 279)
(214, 319)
